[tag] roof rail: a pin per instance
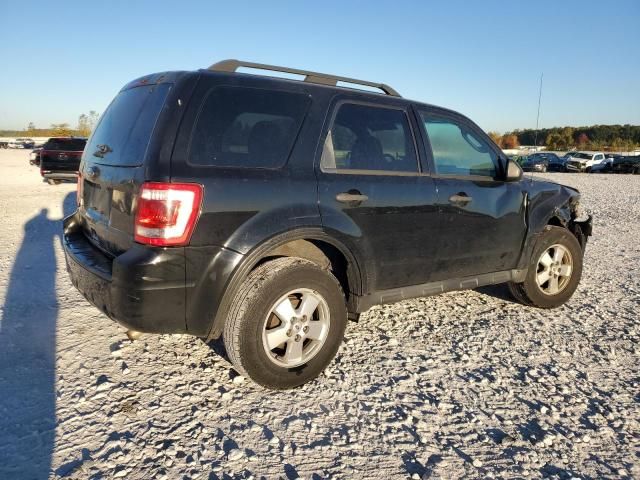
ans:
(311, 77)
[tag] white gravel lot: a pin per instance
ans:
(459, 385)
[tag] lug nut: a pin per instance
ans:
(297, 339)
(305, 329)
(288, 333)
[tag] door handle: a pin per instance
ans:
(460, 199)
(351, 196)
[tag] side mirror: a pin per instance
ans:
(514, 172)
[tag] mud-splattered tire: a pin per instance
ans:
(286, 323)
(554, 270)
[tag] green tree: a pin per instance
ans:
(92, 119)
(496, 137)
(61, 130)
(83, 126)
(510, 141)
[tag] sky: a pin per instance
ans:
(483, 59)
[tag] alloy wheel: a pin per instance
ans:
(296, 328)
(554, 269)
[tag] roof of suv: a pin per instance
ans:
(322, 80)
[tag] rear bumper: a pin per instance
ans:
(60, 175)
(142, 289)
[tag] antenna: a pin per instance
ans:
(535, 142)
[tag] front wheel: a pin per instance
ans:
(286, 323)
(554, 270)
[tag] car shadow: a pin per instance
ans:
(500, 291)
(28, 351)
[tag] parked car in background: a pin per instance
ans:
(34, 156)
(556, 163)
(222, 218)
(603, 165)
(538, 162)
(4, 144)
(626, 164)
(60, 158)
(583, 161)
(21, 143)
(519, 159)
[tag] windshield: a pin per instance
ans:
(585, 156)
(123, 133)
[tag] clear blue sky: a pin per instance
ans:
(60, 59)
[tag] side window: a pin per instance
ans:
(457, 150)
(365, 137)
(247, 127)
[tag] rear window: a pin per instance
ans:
(66, 144)
(122, 135)
(247, 127)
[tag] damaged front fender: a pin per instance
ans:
(553, 204)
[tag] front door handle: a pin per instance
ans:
(352, 196)
(460, 199)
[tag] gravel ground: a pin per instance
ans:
(459, 385)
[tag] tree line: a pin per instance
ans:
(86, 123)
(595, 137)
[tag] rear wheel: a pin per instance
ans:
(554, 271)
(286, 323)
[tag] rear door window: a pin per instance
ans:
(366, 137)
(123, 133)
(247, 127)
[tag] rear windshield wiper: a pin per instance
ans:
(102, 151)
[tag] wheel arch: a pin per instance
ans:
(554, 208)
(312, 244)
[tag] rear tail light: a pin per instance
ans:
(167, 213)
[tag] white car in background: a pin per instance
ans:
(604, 165)
(21, 143)
(583, 161)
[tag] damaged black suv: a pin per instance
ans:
(271, 210)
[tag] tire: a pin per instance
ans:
(588, 170)
(281, 283)
(553, 240)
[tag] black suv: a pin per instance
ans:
(270, 211)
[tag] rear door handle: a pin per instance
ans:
(351, 197)
(460, 199)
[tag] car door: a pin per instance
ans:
(373, 194)
(482, 217)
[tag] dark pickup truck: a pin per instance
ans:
(60, 158)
